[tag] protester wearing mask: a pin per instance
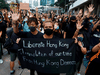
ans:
(57, 30)
(43, 19)
(3, 27)
(91, 21)
(95, 34)
(94, 40)
(32, 23)
(71, 28)
(80, 51)
(25, 25)
(48, 34)
(60, 19)
(13, 51)
(87, 29)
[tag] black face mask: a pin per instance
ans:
(86, 25)
(72, 24)
(32, 28)
(48, 31)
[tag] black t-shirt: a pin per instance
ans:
(39, 73)
(3, 27)
(58, 35)
(79, 54)
(63, 25)
(29, 35)
(15, 46)
(94, 38)
(70, 31)
(87, 36)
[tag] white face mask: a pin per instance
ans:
(55, 26)
(60, 19)
(8, 16)
(55, 17)
(28, 14)
(25, 19)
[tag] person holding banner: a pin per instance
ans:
(48, 34)
(34, 33)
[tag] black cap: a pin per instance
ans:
(73, 18)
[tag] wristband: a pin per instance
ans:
(81, 46)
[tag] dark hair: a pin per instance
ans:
(32, 19)
(73, 18)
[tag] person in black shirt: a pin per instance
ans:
(34, 33)
(3, 27)
(57, 30)
(48, 34)
(71, 28)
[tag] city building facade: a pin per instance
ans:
(82, 4)
(46, 2)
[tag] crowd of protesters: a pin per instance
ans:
(83, 27)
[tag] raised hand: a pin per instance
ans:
(98, 22)
(15, 16)
(79, 25)
(85, 13)
(36, 9)
(90, 8)
(17, 41)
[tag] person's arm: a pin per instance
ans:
(96, 48)
(37, 13)
(0, 33)
(52, 15)
(15, 24)
(90, 9)
(95, 26)
(85, 15)
(80, 14)
(83, 49)
(76, 33)
(64, 35)
(78, 26)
